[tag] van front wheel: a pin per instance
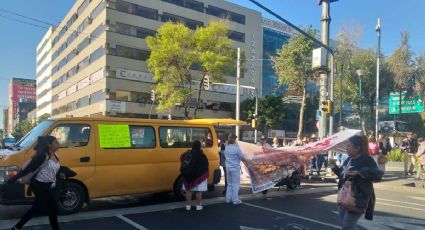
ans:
(178, 189)
(71, 197)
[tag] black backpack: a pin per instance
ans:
(186, 163)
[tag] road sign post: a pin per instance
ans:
(409, 104)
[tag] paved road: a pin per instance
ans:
(310, 208)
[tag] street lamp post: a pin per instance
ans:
(378, 31)
(238, 95)
(359, 73)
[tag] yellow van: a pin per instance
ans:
(114, 156)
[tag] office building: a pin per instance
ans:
(44, 74)
(19, 89)
(99, 53)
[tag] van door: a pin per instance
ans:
(126, 159)
(77, 149)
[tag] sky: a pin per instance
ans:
(19, 41)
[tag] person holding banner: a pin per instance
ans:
(233, 155)
(361, 170)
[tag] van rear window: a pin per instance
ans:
(183, 137)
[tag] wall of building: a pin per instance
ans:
(44, 74)
(19, 89)
(99, 85)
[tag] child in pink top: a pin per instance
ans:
(374, 149)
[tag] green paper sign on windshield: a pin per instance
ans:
(114, 136)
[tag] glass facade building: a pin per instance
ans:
(273, 40)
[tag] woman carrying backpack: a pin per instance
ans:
(195, 179)
(45, 167)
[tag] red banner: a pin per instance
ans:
(267, 166)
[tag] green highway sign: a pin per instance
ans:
(409, 104)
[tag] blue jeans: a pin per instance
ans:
(320, 160)
(348, 220)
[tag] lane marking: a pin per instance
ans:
(132, 223)
(293, 215)
(401, 206)
(160, 207)
(401, 202)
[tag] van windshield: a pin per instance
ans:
(32, 136)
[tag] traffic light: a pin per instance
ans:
(254, 123)
(153, 95)
(206, 82)
(327, 106)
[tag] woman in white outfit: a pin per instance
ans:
(233, 156)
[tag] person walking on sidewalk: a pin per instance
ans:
(362, 171)
(384, 148)
(195, 179)
(222, 147)
(421, 159)
(233, 156)
(409, 147)
(374, 149)
(45, 167)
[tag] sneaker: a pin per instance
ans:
(187, 207)
(237, 202)
(199, 207)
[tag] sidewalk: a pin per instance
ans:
(394, 177)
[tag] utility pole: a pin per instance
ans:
(323, 83)
(238, 94)
(378, 59)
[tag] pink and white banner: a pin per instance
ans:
(267, 166)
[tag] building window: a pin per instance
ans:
(84, 101)
(96, 76)
(96, 11)
(122, 95)
(221, 13)
(134, 31)
(183, 137)
(194, 5)
(83, 44)
(97, 96)
(192, 24)
(62, 63)
(72, 106)
(142, 137)
(97, 32)
(135, 9)
(83, 64)
(236, 36)
(127, 52)
(82, 7)
(72, 71)
(97, 54)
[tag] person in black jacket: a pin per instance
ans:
(197, 179)
(45, 167)
(361, 169)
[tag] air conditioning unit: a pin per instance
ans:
(90, 20)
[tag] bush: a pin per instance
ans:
(395, 155)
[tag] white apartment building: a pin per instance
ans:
(44, 74)
(99, 55)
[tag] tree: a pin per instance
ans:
(400, 64)
(271, 111)
(348, 39)
(180, 56)
(43, 117)
(293, 66)
(22, 128)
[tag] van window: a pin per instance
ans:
(72, 135)
(142, 137)
(183, 137)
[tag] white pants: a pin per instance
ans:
(233, 181)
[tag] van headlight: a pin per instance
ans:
(6, 172)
